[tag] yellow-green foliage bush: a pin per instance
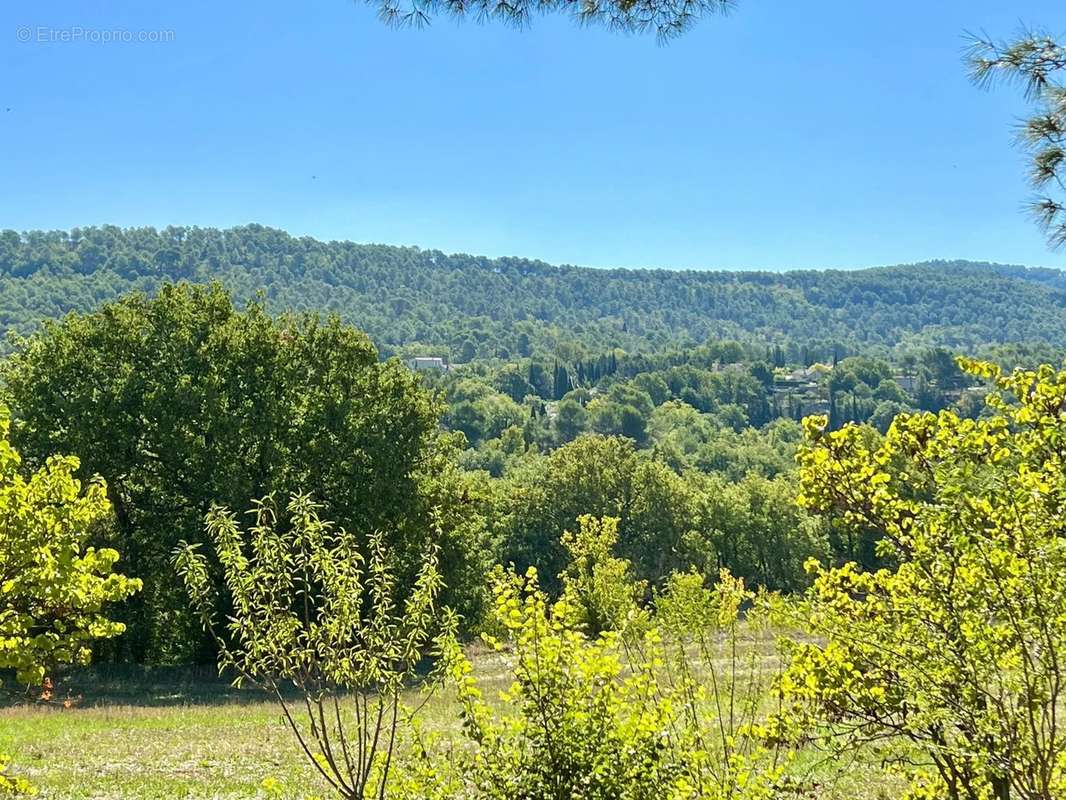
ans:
(599, 588)
(53, 586)
(955, 657)
(12, 784)
(630, 712)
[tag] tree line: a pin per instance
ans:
(464, 307)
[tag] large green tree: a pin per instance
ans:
(183, 400)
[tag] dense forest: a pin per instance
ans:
(464, 307)
(198, 366)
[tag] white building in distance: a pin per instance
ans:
(423, 363)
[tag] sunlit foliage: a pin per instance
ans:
(317, 616)
(953, 657)
(54, 585)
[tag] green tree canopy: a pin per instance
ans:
(425, 302)
(184, 401)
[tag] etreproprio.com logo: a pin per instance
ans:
(43, 34)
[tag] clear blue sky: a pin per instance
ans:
(789, 134)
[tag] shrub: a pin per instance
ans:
(315, 614)
(53, 586)
(12, 784)
(955, 657)
(599, 588)
(607, 717)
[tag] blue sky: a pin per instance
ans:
(788, 134)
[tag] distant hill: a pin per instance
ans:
(411, 300)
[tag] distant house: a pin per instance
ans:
(908, 383)
(424, 363)
(809, 374)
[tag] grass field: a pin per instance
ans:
(162, 734)
(166, 733)
(169, 733)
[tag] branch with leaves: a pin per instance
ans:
(1037, 62)
(316, 623)
(667, 18)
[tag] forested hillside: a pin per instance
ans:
(464, 307)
